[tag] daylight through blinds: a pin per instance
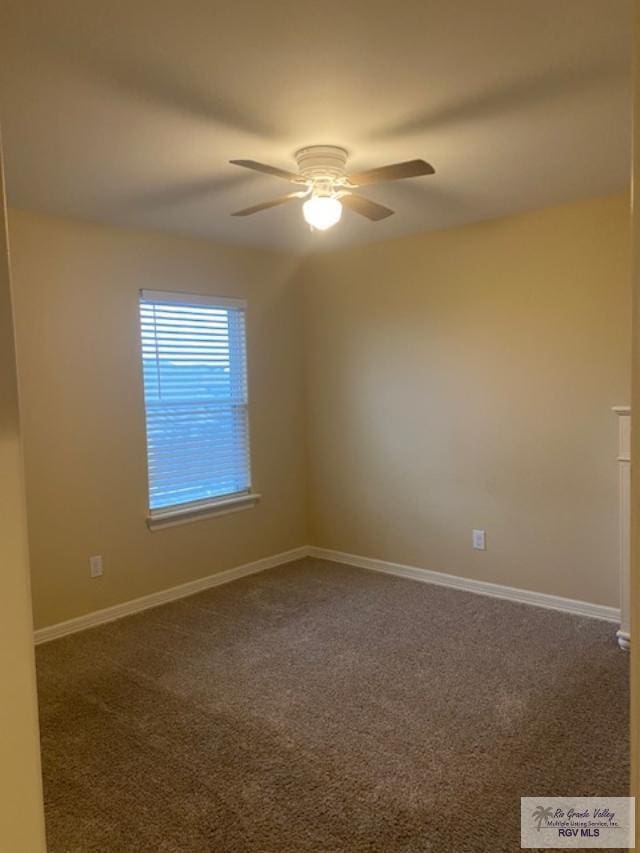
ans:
(195, 393)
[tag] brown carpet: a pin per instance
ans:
(323, 708)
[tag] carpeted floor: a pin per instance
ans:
(323, 708)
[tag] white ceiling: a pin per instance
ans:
(128, 112)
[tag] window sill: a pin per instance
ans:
(195, 512)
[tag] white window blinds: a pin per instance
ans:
(195, 394)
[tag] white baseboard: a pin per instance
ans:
(109, 614)
(522, 596)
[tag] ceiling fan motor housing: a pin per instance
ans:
(323, 165)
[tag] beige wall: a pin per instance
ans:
(456, 379)
(79, 361)
(465, 378)
(21, 819)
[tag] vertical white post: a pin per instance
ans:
(624, 464)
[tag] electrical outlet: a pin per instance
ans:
(479, 541)
(95, 566)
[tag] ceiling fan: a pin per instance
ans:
(326, 188)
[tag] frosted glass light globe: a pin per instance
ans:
(322, 211)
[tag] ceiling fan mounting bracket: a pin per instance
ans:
(322, 163)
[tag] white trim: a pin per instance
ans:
(185, 514)
(109, 614)
(522, 596)
(624, 639)
(171, 296)
(624, 522)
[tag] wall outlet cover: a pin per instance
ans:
(479, 540)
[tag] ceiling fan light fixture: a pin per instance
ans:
(322, 178)
(322, 211)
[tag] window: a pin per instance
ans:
(195, 395)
